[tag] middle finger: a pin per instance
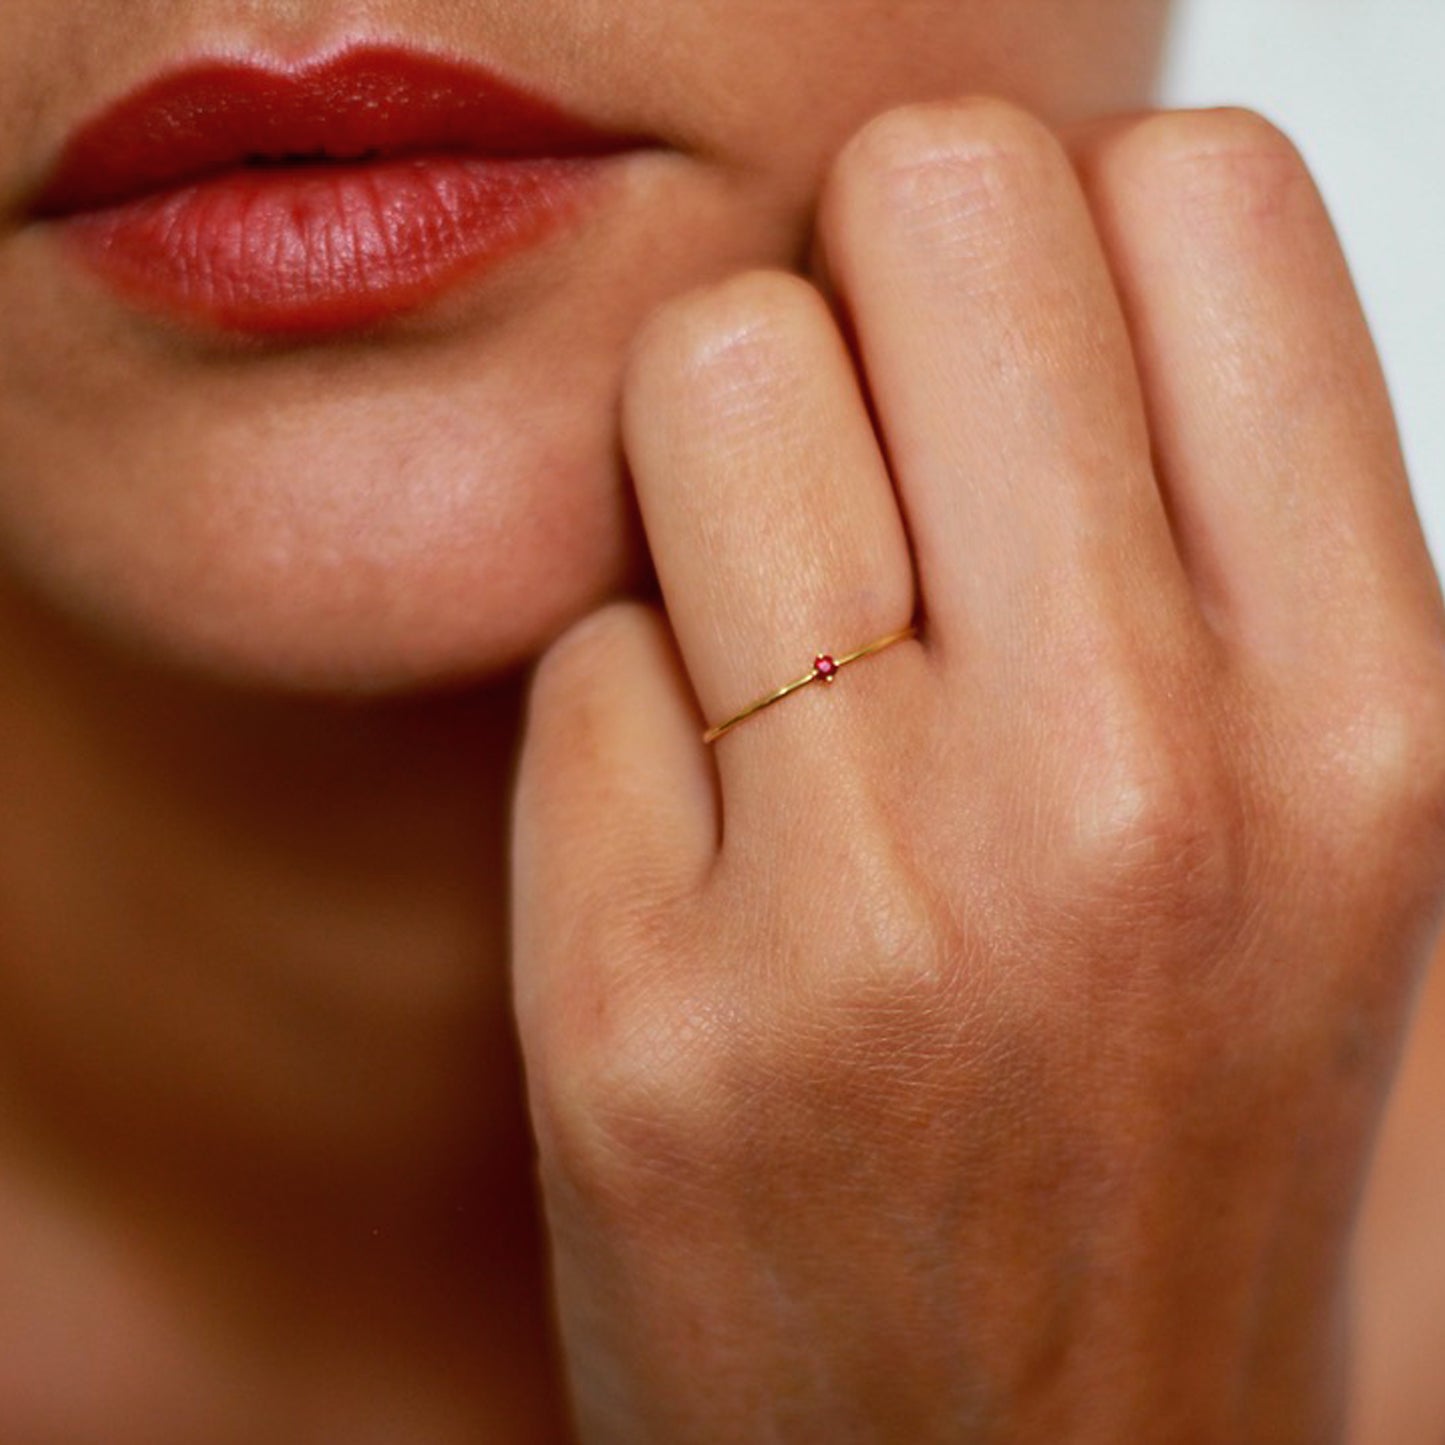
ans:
(996, 347)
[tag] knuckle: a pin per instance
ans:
(1181, 140)
(1386, 757)
(571, 721)
(718, 336)
(636, 1103)
(580, 658)
(1225, 166)
(1151, 831)
(566, 723)
(895, 944)
(894, 965)
(934, 161)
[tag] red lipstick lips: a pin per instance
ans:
(321, 199)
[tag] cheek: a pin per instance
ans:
(371, 516)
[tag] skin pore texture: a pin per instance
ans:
(265, 620)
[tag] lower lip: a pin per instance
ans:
(319, 249)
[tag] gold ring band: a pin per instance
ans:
(825, 669)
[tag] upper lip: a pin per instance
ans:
(361, 103)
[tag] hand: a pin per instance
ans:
(988, 1046)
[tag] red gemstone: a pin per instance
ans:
(825, 667)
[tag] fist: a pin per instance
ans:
(986, 1045)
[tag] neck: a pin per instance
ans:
(253, 984)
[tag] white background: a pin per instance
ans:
(1359, 85)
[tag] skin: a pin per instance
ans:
(267, 886)
(1041, 1117)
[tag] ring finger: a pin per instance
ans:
(773, 527)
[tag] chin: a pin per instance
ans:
(363, 544)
